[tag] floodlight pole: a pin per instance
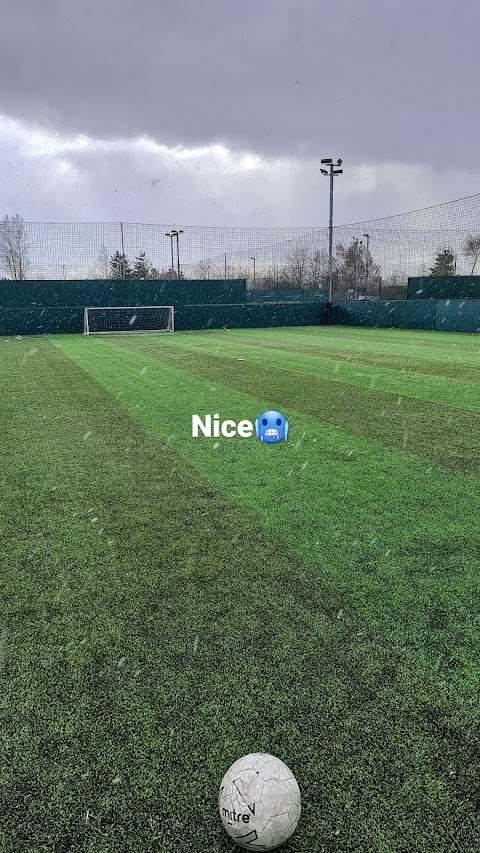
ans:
(169, 234)
(254, 275)
(122, 262)
(176, 233)
(357, 255)
(366, 264)
(332, 171)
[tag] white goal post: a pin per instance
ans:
(122, 320)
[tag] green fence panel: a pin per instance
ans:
(216, 316)
(255, 297)
(273, 297)
(415, 314)
(23, 294)
(101, 293)
(182, 318)
(344, 313)
(290, 296)
(156, 292)
(315, 295)
(297, 315)
(375, 314)
(72, 320)
(50, 321)
(261, 316)
(14, 322)
(31, 321)
(458, 315)
(467, 287)
(429, 287)
(444, 287)
(216, 292)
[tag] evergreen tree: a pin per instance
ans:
(120, 266)
(444, 263)
(141, 267)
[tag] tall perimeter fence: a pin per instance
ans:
(373, 258)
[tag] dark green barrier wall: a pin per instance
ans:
(458, 315)
(444, 287)
(344, 314)
(33, 321)
(107, 292)
(452, 315)
(274, 296)
(418, 314)
(49, 307)
(156, 293)
(378, 314)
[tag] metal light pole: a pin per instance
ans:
(331, 172)
(357, 254)
(176, 233)
(254, 277)
(171, 246)
(122, 262)
(366, 264)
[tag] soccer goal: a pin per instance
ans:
(118, 321)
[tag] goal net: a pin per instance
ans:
(146, 318)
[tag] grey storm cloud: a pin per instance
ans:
(370, 81)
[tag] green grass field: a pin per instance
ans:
(169, 604)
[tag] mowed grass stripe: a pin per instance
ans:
(396, 534)
(401, 360)
(448, 436)
(425, 341)
(153, 633)
(457, 392)
(436, 350)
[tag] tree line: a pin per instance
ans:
(353, 268)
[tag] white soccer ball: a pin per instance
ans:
(259, 802)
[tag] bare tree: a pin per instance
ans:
(269, 280)
(316, 268)
(471, 250)
(204, 268)
(103, 263)
(350, 267)
(295, 271)
(14, 246)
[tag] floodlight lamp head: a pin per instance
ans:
(327, 160)
(324, 171)
(339, 162)
(338, 171)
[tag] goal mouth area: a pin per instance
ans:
(123, 320)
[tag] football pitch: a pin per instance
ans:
(170, 603)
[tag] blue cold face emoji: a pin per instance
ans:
(272, 427)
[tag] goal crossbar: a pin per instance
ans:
(123, 320)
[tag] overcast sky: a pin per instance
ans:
(217, 112)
